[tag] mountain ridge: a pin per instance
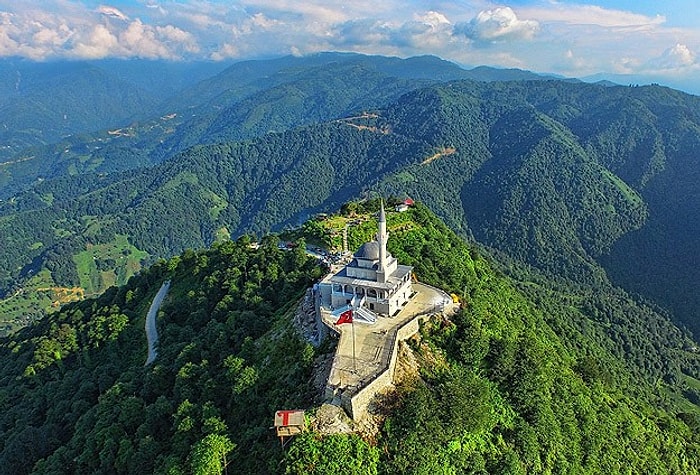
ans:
(244, 100)
(596, 192)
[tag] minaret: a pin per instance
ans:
(382, 238)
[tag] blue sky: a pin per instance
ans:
(630, 40)
(677, 12)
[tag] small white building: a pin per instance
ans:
(373, 276)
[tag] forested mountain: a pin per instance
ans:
(161, 79)
(529, 377)
(42, 102)
(575, 179)
(248, 99)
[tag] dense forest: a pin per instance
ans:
(248, 99)
(76, 397)
(575, 180)
(529, 377)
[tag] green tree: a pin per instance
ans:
(337, 454)
(208, 456)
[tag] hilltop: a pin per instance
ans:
(528, 377)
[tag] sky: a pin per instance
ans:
(654, 40)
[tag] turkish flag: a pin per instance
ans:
(345, 317)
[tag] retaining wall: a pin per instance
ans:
(357, 404)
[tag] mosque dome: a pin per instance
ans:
(369, 250)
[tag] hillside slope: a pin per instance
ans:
(247, 99)
(561, 176)
(524, 381)
(43, 102)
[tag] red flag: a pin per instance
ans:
(345, 317)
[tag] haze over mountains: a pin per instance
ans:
(246, 100)
(576, 179)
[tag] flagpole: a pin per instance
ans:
(352, 328)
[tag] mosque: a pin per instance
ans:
(372, 283)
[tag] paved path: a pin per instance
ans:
(151, 332)
(373, 342)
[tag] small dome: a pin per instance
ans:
(369, 250)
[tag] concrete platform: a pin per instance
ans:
(373, 343)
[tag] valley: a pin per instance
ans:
(539, 178)
(562, 215)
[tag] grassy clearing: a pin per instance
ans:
(222, 234)
(39, 296)
(87, 271)
(218, 204)
(327, 231)
(692, 382)
(103, 265)
(680, 400)
(629, 194)
(99, 267)
(36, 245)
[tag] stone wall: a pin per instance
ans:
(357, 404)
(356, 394)
(307, 319)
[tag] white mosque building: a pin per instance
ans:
(373, 280)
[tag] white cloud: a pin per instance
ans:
(499, 24)
(317, 11)
(425, 32)
(256, 24)
(70, 30)
(263, 22)
(573, 14)
(679, 55)
(677, 58)
(499, 59)
(52, 38)
(356, 32)
(432, 18)
(155, 7)
(203, 21)
(141, 40)
(225, 51)
(99, 43)
(112, 12)
(573, 62)
(178, 36)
